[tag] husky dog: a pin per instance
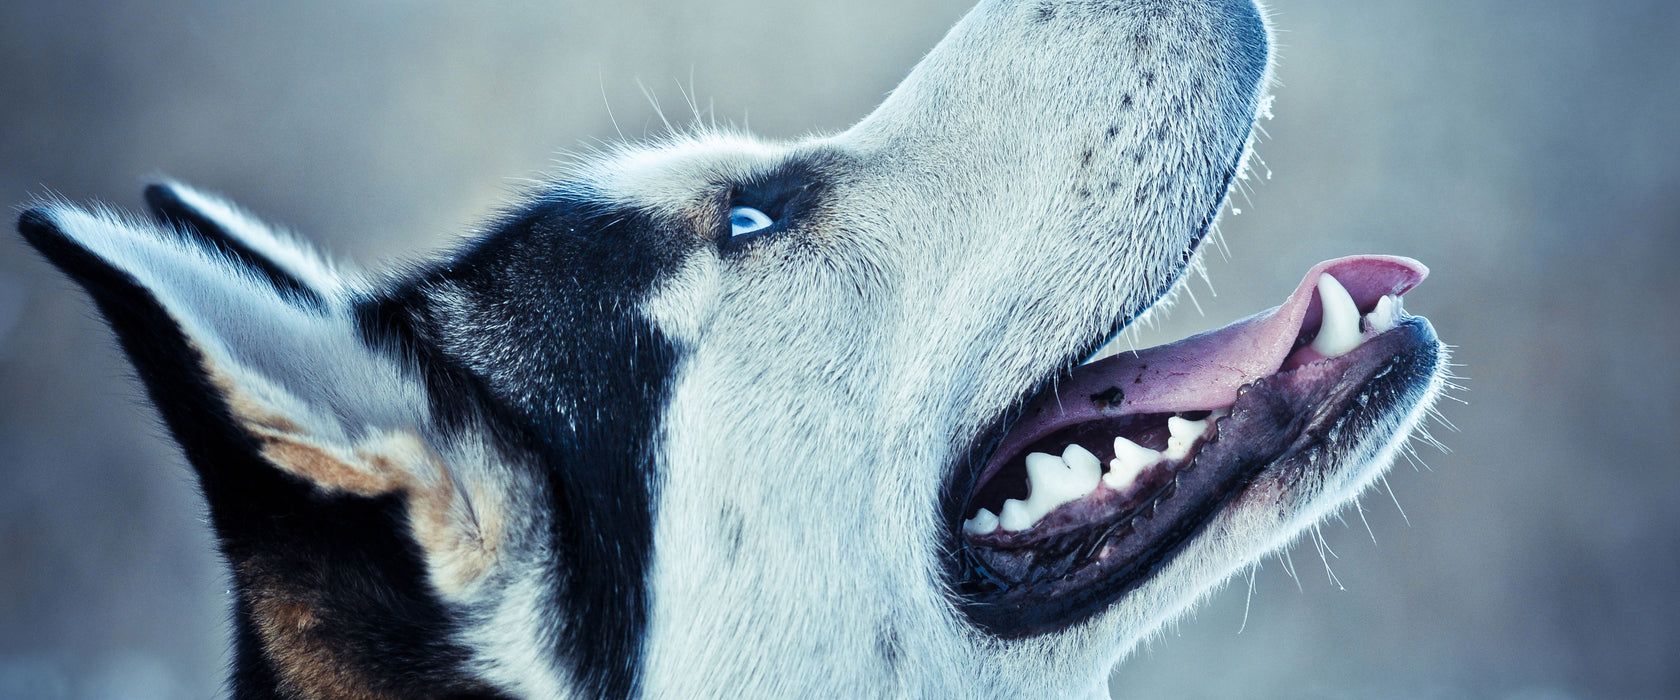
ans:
(719, 418)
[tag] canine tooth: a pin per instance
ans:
(1339, 331)
(1182, 435)
(1015, 516)
(1130, 459)
(983, 523)
(1385, 316)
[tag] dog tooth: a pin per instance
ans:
(1130, 459)
(1015, 516)
(1052, 481)
(1085, 467)
(1390, 306)
(1182, 435)
(1045, 475)
(1079, 458)
(1385, 316)
(1339, 331)
(983, 523)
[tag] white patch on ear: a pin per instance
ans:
(289, 252)
(313, 366)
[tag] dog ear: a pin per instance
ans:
(314, 447)
(240, 333)
(248, 345)
(346, 517)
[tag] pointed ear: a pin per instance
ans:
(245, 318)
(249, 347)
(335, 499)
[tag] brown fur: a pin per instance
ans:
(288, 623)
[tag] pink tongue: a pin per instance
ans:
(1204, 372)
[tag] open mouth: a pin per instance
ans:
(1101, 480)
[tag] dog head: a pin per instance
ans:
(719, 417)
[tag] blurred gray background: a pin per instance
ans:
(1525, 149)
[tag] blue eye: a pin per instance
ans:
(745, 220)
